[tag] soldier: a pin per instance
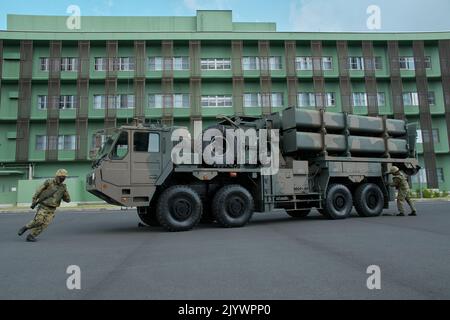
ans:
(401, 184)
(48, 197)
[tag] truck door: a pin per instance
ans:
(116, 167)
(146, 157)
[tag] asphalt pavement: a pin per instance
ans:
(274, 257)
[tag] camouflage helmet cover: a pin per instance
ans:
(62, 173)
(394, 169)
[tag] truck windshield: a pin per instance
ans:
(107, 144)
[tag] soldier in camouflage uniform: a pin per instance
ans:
(401, 184)
(48, 197)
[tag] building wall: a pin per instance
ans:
(214, 43)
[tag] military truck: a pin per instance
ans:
(328, 161)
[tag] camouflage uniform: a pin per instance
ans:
(47, 207)
(401, 184)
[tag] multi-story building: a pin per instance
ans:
(58, 86)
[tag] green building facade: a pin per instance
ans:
(59, 85)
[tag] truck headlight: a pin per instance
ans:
(93, 177)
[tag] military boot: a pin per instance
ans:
(413, 213)
(31, 238)
(22, 231)
(401, 214)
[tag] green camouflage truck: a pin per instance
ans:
(295, 160)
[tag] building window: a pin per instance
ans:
(99, 101)
(250, 63)
(181, 63)
(423, 136)
(257, 63)
(66, 102)
(217, 101)
(428, 63)
(408, 63)
(69, 64)
(304, 63)
(125, 101)
(175, 63)
(100, 64)
(440, 175)
(330, 99)
(381, 99)
(327, 63)
(180, 101)
(436, 136)
(121, 101)
(42, 102)
(410, 99)
(155, 63)
(359, 99)
(308, 99)
(356, 63)
(373, 64)
(66, 142)
(44, 64)
(41, 143)
(216, 64)
(125, 64)
(419, 136)
(252, 100)
(257, 100)
(431, 98)
(275, 63)
(277, 99)
(155, 101)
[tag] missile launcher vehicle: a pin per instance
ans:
(296, 160)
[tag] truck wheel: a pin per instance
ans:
(299, 213)
(179, 208)
(233, 206)
(148, 216)
(369, 200)
(338, 202)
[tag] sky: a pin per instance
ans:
(290, 15)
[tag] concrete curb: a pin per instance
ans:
(68, 208)
(430, 199)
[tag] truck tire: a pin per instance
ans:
(299, 213)
(179, 209)
(233, 206)
(338, 202)
(148, 216)
(369, 200)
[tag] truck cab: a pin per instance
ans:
(129, 164)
